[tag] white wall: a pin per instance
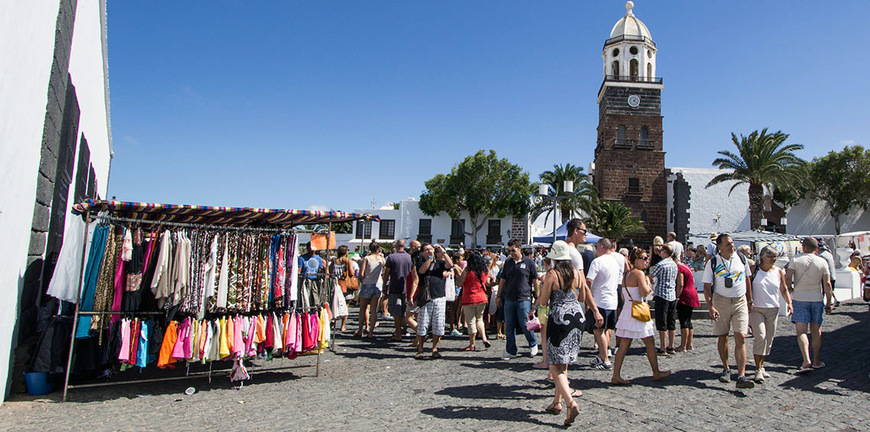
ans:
(26, 46)
(27, 39)
(88, 73)
(813, 217)
(713, 209)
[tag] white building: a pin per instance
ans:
(55, 149)
(695, 209)
(408, 222)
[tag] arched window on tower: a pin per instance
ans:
(644, 137)
(615, 69)
(620, 136)
(633, 69)
(649, 76)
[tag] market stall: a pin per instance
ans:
(166, 285)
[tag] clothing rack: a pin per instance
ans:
(89, 206)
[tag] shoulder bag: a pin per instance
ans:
(350, 280)
(639, 309)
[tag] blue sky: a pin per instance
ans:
(338, 104)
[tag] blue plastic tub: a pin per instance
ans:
(37, 383)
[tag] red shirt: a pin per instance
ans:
(689, 296)
(474, 289)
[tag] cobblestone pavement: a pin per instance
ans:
(377, 385)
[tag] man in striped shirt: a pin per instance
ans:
(665, 298)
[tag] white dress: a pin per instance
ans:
(628, 327)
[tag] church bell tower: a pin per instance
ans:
(629, 157)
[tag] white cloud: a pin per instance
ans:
(318, 208)
(845, 143)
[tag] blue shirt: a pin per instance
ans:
(309, 266)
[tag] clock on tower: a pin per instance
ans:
(629, 160)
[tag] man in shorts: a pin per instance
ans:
(603, 279)
(396, 271)
(810, 278)
(728, 294)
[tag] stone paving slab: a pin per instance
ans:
(377, 385)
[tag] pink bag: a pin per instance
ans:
(533, 324)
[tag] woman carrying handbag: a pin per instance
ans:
(628, 326)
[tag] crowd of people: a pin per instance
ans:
(430, 291)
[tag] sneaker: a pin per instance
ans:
(508, 356)
(764, 373)
(759, 376)
(595, 361)
(604, 366)
(609, 352)
(533, 351)
(742, 382)
(726, 376)
(456, 333)
(387, 316)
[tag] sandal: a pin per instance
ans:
(357, 333)
(418, 356)
(487, 344)
(552, 409)
(821, 365)
(468, 348)
(671, 350)
(436, 355)
(804, 370)
(573, 412)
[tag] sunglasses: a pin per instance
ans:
(644, 257)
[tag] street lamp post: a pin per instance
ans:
(567, 191)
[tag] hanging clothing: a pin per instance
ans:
(169, 341)
(67, 275)
(92, 270)
(161, 281)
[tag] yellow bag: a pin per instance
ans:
(639, 309)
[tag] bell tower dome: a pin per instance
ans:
(629, 155)
(630, 51)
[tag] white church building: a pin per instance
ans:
(55, 150)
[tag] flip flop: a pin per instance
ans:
(418, 356)
(804, 370)
(436, 355)
(820, 366)
(468, 348)
(577, 393)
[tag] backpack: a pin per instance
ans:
(713, 266)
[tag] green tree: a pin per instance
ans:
(762, 160)
(483, 185)
(840, 179)
(583, 198)
(613, 220)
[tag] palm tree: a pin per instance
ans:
(583, 199)
(613, 220)
(763, 160)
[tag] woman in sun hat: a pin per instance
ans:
(564, 324)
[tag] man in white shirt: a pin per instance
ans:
(675, 245)
(811, 280)
(576, 236)
(603, 279)
(728, 293)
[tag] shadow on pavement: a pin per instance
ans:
(490, 391)
(845, 352)
(489, 413)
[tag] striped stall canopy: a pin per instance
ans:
(218, 216)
